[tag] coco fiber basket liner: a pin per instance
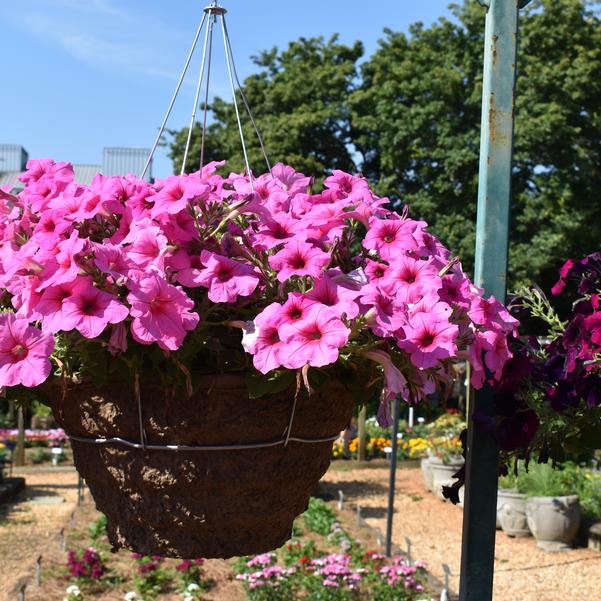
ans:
(212, 503)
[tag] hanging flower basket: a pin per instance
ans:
(209, 502)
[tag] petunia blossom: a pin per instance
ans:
(315, 340)
(299, 258)
(428, 339)
(226, 278)
(162, 313)
(24, 352)
(90, 310)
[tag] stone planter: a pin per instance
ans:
(442, 474)
(427, 473)
(554, 521)
(511, 513)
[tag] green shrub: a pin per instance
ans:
(319, 518)
(39, 455)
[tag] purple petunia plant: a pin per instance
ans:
(211, 273)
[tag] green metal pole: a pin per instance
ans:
(494, 188)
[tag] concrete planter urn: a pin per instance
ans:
(427, 473)
(511, 513)
(554, 521)
(442, 473)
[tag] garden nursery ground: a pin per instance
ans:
(31, 527)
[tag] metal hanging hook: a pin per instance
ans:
(210, 15)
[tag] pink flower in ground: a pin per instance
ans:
(428, 340)
(409, 279)
(90, 310)
(390, 237)
(225, 278)
(162, 313)
(299, 258)
(24, 352)
(267, 347)
(315, 340)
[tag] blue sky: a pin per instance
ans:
(78, 75)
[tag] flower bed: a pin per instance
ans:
(36, 438)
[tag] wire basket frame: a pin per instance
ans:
(209, 18)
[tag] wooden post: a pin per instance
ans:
(20, 448)
(362, 434)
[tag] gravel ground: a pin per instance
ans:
(28, 529)
(522, 571)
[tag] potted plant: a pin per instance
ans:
(445, 459)
(511, 507)
(552, 509)
(203, 339)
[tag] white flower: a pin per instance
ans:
(193, 587)
(73, 589)
(131, 596)
(188, 597)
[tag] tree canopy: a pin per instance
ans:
(409, 119)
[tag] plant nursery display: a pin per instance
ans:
(203, 339)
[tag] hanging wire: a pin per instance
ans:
(206, 103)
(244, 99)
(212, 12)
(177, 88)
(198, 87)
(229, 70)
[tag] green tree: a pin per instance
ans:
(299, 98)
(416, 121)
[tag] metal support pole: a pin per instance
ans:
(496, 146)
(362, 434)
(392, 478)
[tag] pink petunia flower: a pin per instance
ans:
(409, 279)
(146, 245)
(24, 352)
(50, 307)
(162, 313)
(89, 310)
(65, 268)
(226, 278)
(428, 339)
(492, 314)
(327, 291)
(315, 340)
(175, 194)
(390, 237)
(299, 258)
(267, 348)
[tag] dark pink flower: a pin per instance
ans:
(226, 278)
(24, 352)
(89, 310)
(428, 340)
(299, 258)
(162, 313)
(315, 340)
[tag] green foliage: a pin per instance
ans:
(39, 455)
(299, 98)
(542, 480)
(150, 579)
(413, 115)
(416, 120)
(98, 528)
(319, 518)
(294, 550)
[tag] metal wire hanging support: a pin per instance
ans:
(210, 15)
